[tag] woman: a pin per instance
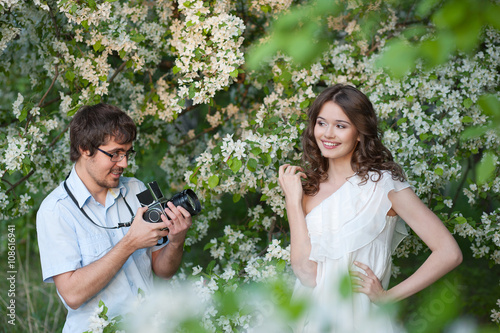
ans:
(343, 213)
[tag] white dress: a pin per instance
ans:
(351, 225)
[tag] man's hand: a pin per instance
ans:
(179, 223)
(167, 260)
(144, 234)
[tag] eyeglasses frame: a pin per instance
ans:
(120, 156)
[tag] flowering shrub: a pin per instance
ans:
(178, 69)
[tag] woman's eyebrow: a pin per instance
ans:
(337, 120)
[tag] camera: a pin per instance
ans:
(156, 203)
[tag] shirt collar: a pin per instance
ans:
(82, 194)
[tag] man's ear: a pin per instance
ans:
(84, 152)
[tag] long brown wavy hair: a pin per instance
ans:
(369, 154)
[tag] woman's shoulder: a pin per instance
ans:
(387, 180)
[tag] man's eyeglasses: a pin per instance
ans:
(117, 157)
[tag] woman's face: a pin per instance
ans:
(335, 135)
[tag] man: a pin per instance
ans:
(81, 249)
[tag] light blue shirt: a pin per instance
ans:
(69, 241)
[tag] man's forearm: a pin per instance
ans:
(76, 287)
(167, 260)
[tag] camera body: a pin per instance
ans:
(155, 201)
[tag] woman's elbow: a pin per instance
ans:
(457, 257)
(306, 280)
(452, 255)
(306, 277)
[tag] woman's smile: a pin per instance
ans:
(335, 135)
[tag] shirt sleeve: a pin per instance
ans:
(57, 241)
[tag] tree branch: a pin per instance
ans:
(30, 115)
(32, 171)
(56, 75)
(118, 70)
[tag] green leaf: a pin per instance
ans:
(70, 75)
(438, 171)
(192, 91)
(213, 181)
(267, 159)
(176, 69)
(23, 115)
(234, 73)
(281, 265)
(438, 207)
(460, 220)
(137, 38)
(208, 245)
(467, 103)
(236, 197)
(399, 57)
(211, 266)
(236, 165)
(92, 4)
(490, 104)
(265, 8)
(256, 151)
(473, 132)
(252, 164)
(73, 110)
(97, 46)
(401, 121)
(272, 185)
(305, 104)
(486, 168)
(467, 120)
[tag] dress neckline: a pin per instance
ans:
(348, 180)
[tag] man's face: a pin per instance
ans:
(100, 171)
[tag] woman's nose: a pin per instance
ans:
(329, 132)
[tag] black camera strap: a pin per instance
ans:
(120, 225)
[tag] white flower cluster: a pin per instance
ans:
(234, 245)
(486, 236)
(7, 34)
(495, 314)
(78, 12)
(207, 49)
(275, 251)
(270, 6)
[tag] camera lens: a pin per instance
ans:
(188, 200)
(152, 215)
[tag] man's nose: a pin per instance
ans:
(123, 163)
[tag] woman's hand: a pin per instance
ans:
(291, 183)
(368, 284)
